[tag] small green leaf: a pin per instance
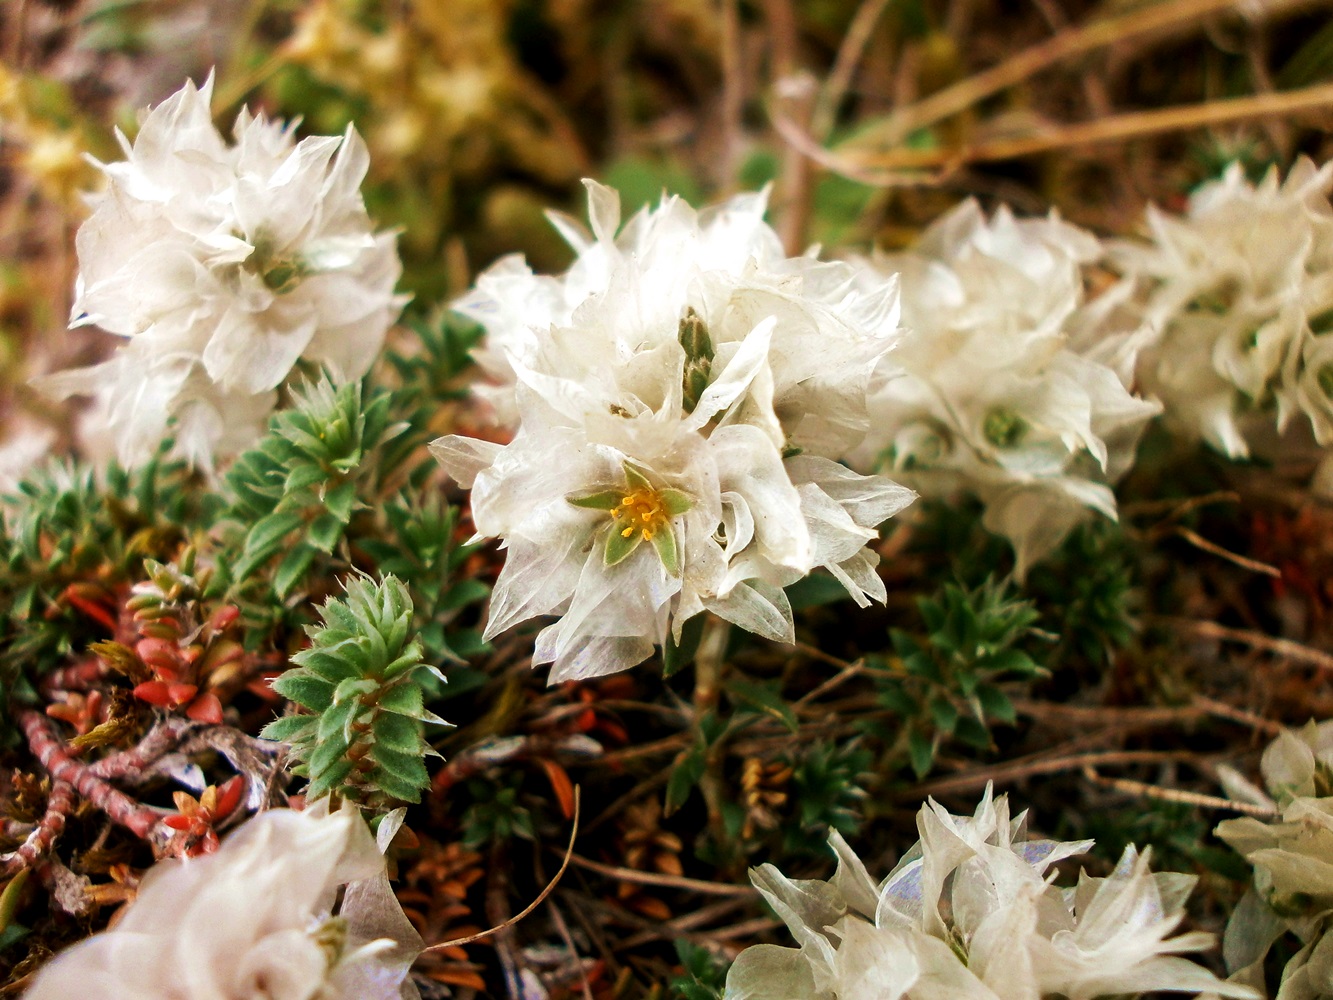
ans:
(973, 733)
(329, 752)
(763, 698)
(398, 732)
(620, 546)
(336, 720)
(685, 774)
(325, 532)
(921, 752)
(944, 714)
(326, 780)
(636, 479)
(292, 570)
(995, 703)
(674, 502)
(302, 477)
(664, 542)
(305, 689)
(341, 500)
(397, 787)
(407, 766)
(271, 530)
(606, 500)
(675, 657)
(290, 728)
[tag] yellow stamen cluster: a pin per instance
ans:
(641, 510)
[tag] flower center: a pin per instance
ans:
(640, 510)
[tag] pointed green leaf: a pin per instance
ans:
(305, 689)
(407, 766)
(292, 570)
(327, 780)
(764, 698)
(605, 500)
(405, 699)
(325, 532)
(333, 722)
(396, 787)
(341, 500)
(664, 542)
(675, 502)
(271, 530)
(636, 479)
(328, 751)
(290, 728)
(398, 732)
(685, 774)
(619, 547)
(354, 687)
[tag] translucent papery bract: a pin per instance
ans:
(1007, 386)
(971, 911)
(231, 263)
(1239, 291)
(693, 378)
(243, 922)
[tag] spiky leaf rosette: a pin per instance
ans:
(361, 677)
(296, 490)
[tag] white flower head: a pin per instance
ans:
(253, 919)
(1006, 385)
(224, 265)
(679, 409)
(1241, 291)
(972, 911)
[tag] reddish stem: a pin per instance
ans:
(160, 740)
(77, 677)
(59, 804)
(50, 750)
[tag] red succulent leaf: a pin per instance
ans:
(206, 708)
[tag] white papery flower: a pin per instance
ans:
(225, 265)
(1292, 855)
(253, 920)
(1241, 290)
(694, 399)
(1006, 385)
(971, 911)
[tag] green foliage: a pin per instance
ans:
(1085, 593)
(690, 765)
(827, 786)
(361, 681)
(704, 976)
(496, 814)
(64, 539)
(295, 492)
(945, 684)
(421, 549)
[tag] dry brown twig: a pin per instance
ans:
(550, 887)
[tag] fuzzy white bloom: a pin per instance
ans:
(695, 398)
(971, 911)
(1241, 290)
(1004, 386)
(253, 920)
(224, 265)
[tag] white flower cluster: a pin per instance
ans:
(971, 911)
(1241, 292)
(1006, 385)
(682, 398)
(1293, 865)
(224, 265)
(253, 920)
